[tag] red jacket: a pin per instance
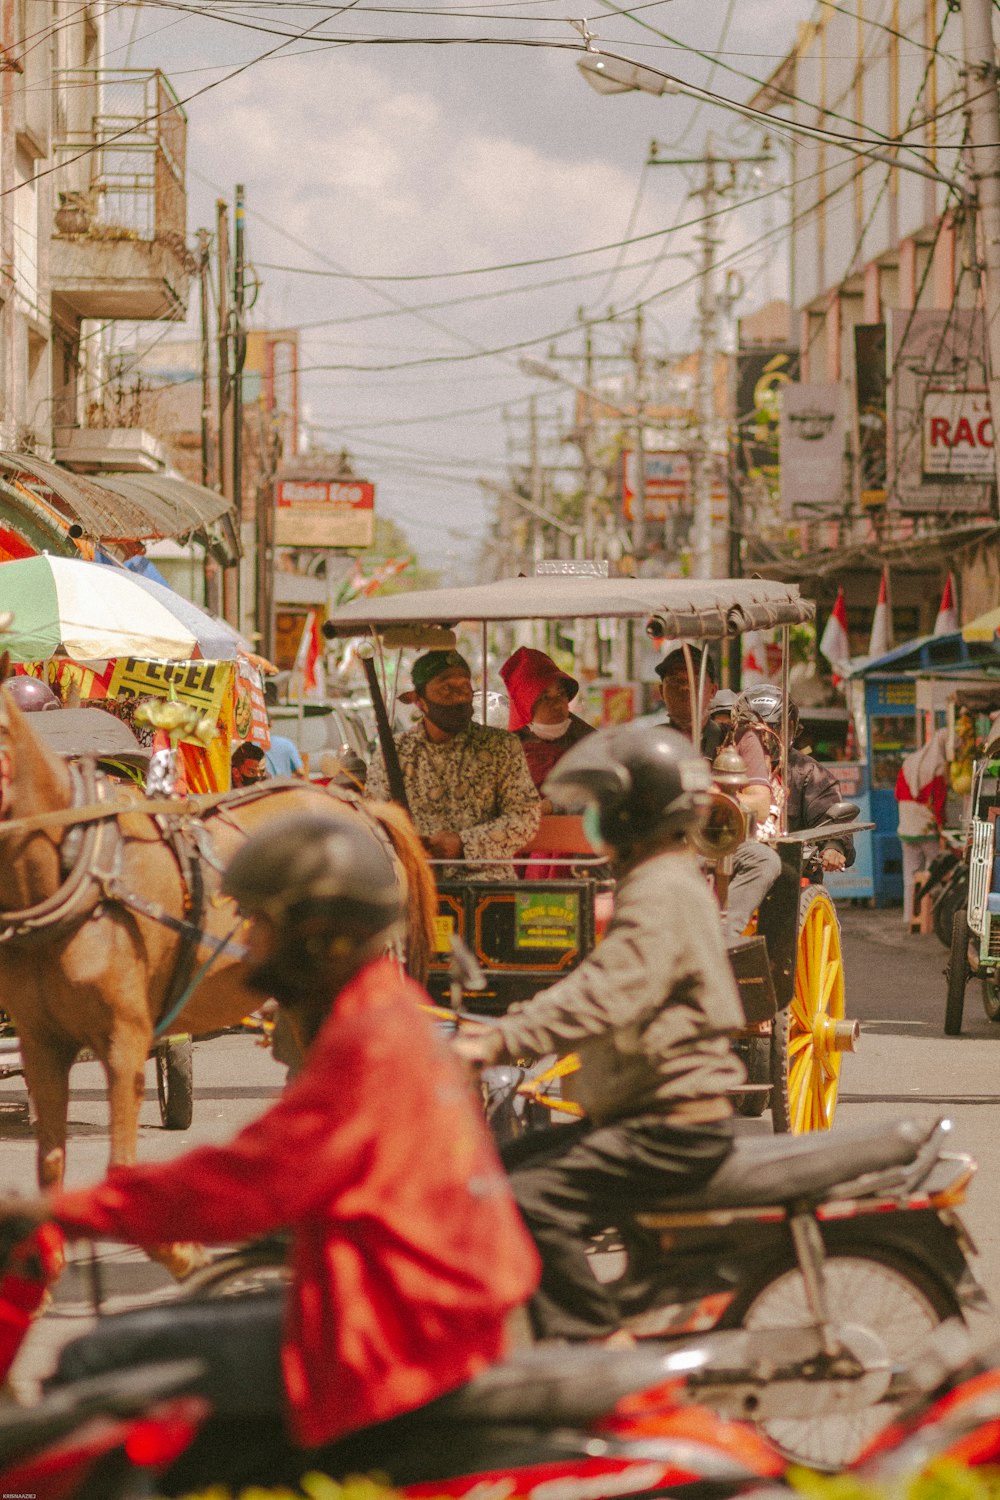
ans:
(408, 1251)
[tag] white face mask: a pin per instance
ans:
(549, 731)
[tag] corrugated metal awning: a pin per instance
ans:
(116, 507)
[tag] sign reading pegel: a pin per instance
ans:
(324, 513)
(935, 355)
(958, 433)
(812, 432)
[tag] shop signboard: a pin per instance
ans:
(812, 434)
(958, 433)
(668, 483)
(324, 513)
(939, 354)
(761, 377)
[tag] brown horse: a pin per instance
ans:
(84, 963)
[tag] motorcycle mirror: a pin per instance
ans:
(842, 812)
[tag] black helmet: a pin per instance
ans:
(645, 779)
(760, 708)
(31, 694)
(320, 872)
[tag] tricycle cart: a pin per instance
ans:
(975, 933)
(525, 934)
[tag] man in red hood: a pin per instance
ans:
(540, 695)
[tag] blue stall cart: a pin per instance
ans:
(898, 700)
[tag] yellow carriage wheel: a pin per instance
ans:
(811, 1036)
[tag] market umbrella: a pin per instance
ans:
(91, 612)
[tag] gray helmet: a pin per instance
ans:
(32, 695)
(645, 779)
(317, 868)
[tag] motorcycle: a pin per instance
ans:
(745, 1279)
(947, 886)
(585, 1423)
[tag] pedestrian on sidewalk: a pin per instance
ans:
(921, 790)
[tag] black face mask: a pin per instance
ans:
(450, 718)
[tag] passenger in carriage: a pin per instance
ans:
(755, 867)
(470, 794)
(540, 696)
(812, 789)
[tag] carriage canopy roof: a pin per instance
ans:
(689, 608)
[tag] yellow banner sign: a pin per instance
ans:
(207, 684)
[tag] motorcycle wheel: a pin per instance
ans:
(958, 973)
(954, 896)
(239, 1273)
(873, 1286)
(991, 997)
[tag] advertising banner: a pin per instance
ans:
(871, 387)
(938, 354)
(250, 721)
(958, 433)
(324, 513)
(668, 483)
(812, 433)
(761, 376)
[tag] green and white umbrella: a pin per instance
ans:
(89, 612)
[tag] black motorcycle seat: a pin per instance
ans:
(783, 1169)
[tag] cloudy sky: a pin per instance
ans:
(397, 146)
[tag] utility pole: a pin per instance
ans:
(982, 112)
(213, 599)
(230, 574)
(708, 340)
(239, 354)
(710, 304)
(639, 494)
(587, 443)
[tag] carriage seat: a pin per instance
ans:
(764, 1170)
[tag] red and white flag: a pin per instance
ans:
(754, 668)
(834, 644)
(947, 615)
(880, 641)
(309, 652)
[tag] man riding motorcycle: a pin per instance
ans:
(407, 1253)
(811, 790)
(649, 1011)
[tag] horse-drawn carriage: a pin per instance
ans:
(526, 934)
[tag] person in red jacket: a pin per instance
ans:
(540, 695)
(407, 1251)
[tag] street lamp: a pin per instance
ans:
(613, 75)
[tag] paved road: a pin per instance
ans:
(905, 1066)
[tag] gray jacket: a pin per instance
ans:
(651, 1009)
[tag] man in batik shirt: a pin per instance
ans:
(470, 792)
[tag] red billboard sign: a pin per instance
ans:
(324, 513)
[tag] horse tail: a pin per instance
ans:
(421, 889)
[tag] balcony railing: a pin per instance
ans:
(119, 149)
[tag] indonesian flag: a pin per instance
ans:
(754, 670)
(833, 643)
(309, 652)
(879, 641)
(947, 615)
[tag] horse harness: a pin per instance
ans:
(91, 858)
